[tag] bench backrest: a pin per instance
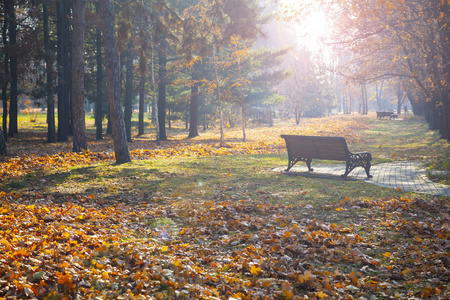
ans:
(317, 147)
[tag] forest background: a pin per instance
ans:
(224, 63)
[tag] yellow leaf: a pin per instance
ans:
(164, 248)
(255, 270)
(321, 295)
(105, 275)
(387, 254)
(177, 263)
(339, 209)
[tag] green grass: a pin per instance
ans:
(208, 178)
(387, 140)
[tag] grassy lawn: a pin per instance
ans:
(191, 220)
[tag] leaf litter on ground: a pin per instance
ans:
(172, 247)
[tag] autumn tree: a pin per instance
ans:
(300, 87)
(407, 39)
(209, 26)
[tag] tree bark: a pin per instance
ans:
(99, 99)
(79, 125)
(63, 70)
(193, 108)
(445, 43)
(129, 90)
(51, 130)
(112, 76)
(141, 103)
(155, 100)
(162, 61)
(5, 80)
(219, 98)
(2, 143)
(416, 104)
(13, 105)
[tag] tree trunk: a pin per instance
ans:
(5, 80)
(366, 100)
(108, 124)
(399, 94)
(143, 70)
(297, 116)
(379, 94)
(79, 125)
(193, 109)
(416, 104)
(129, 90)
(444, 36)
(63, 69)
(99, 99)
(2, 143)
(141, 103)
(219, 100)
(155, 100)
(244, 137)
(13, 105)
(162, 61)
(51, 131)
(112, 76)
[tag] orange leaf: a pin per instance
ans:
(288, 294)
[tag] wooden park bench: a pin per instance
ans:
(306, 148)
(382, 114)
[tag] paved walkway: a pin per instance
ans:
(406, 175)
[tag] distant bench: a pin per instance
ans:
(305, 148)
(382, 114)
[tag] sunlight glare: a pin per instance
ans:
(310, 21)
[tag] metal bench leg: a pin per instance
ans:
(308, 164)
(367, 168)
(348, 169)
(293, 161)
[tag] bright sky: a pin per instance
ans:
(313, 25)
